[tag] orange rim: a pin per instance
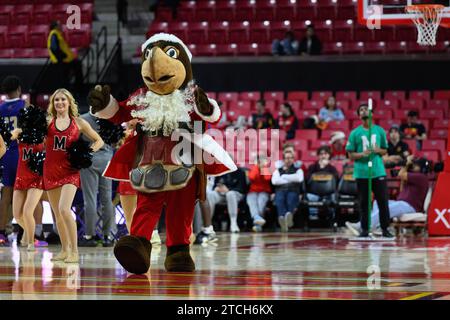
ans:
(424, 7)
(430, 12)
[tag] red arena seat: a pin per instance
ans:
(395, 95)
(42, 13)
(321, 95)
(274, 95)
(307, 134)
(440, 124)
(6, 14)
(18, 35)
(420, 94)
(38, 36)
(22, 14)
(297, 95)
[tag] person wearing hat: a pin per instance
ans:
(398, 150)
(411, 199)
(413, 129)
(337, 145)
(360, 150)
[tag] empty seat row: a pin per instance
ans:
(35, 36)
(25, 53)
(25, 14)
(222, 32)
(18, 2)
(258, 10)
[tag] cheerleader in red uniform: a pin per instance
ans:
(127, 195)
(60, 179)
(28, 189)
(128, 200)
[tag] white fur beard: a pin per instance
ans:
(164, 111)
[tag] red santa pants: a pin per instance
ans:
(179, 213)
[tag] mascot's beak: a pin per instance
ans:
(161, 73)
(159, 65)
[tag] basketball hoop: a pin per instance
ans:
(427, 19)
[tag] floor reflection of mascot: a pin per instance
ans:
(163, 174)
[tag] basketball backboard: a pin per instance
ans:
(392, 12)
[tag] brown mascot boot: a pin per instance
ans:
(178, 259)
(133, 254)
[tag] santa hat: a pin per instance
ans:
(166, 37)
(337, 136)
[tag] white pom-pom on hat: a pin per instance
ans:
(166, 37)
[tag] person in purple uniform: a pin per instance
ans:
(9, 110)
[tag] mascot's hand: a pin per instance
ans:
(99, 97)
(202, 102)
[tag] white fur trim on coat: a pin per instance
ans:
(166, 37)
(207, 143)
(109, 111)
(214, 116)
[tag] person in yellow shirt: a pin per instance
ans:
(60, 53)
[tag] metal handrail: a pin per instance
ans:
(101, 48)
(89, 57)
(38, 80)
(117, 49)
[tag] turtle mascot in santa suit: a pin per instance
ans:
(164, 175)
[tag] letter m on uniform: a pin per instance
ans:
(27, 152)
(60, 143)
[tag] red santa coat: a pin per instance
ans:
(122, 162)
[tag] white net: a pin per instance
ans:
(427, 19)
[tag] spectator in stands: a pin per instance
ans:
(287, 181)
(330, 112)
(413, 191)
(310, 45)
(259, 192)
(398, 150)
(122, 11)
(289, 147)
(61, 54)
(93, 183)
(413, 129)
(321, 165)
(262, 119)
(337, 143)
(286, 47)
(288, 121)
(229, 189)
